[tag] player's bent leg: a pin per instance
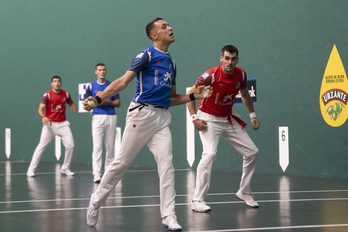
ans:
(210, 140)
(68, 142)
(249, 166)
(112, 176)
(47, 135)
(110, 135)
(203, 176)
(241, 141)
(161, 147)
(130, 147)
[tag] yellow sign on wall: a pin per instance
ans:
(333, 93)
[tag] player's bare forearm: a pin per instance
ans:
(73, 107)
(42, 109)
(117, 85)
(191, 106)
(178, 99)
(248, 102)
(115, 103)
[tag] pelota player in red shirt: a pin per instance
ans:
(52, 111)
(215, 119)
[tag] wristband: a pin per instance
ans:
(252, 115)
(192, 97)
(194, 117)
(42, 116)
(98, 99)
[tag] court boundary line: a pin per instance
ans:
(177, 204)
(276, 228)
(182, 195)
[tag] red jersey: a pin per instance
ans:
(55, 105)
(225, 89)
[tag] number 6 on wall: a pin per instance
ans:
(283, 147)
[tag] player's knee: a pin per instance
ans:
(253, 154)
(70, 146)
(209, 156)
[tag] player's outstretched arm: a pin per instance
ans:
(114, 103)
(115, 87)
(201, 92)
(248, 102)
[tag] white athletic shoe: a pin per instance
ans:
(171, 223)
(67, 172)
(96, 178)
(92, 213)
(248, 199)
(30, 173)
(200, 207)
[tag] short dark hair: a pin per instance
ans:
(150, 26)
(229, 48)
(56, 77)
(99, 64)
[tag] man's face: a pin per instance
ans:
(56, 84)
(229, 62)
(100, 71)
(163, 32)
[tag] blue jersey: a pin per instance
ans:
(92, 90)
(156, 74)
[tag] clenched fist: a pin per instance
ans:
(255, 123)
(200, 124)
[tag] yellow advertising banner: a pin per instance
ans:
(333, 92)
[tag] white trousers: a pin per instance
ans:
(144, 125)
(48, 133)
(103, 128)
(234, 135)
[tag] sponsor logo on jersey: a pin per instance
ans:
(205, 76)
(140, 55)
(228, 97)
(333, 91)
(227, 100)
(57, 108)
(237, 85)
(167, 80)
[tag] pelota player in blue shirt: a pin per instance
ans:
(147, 120)
(104, 122)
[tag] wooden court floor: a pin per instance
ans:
(51, 202)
